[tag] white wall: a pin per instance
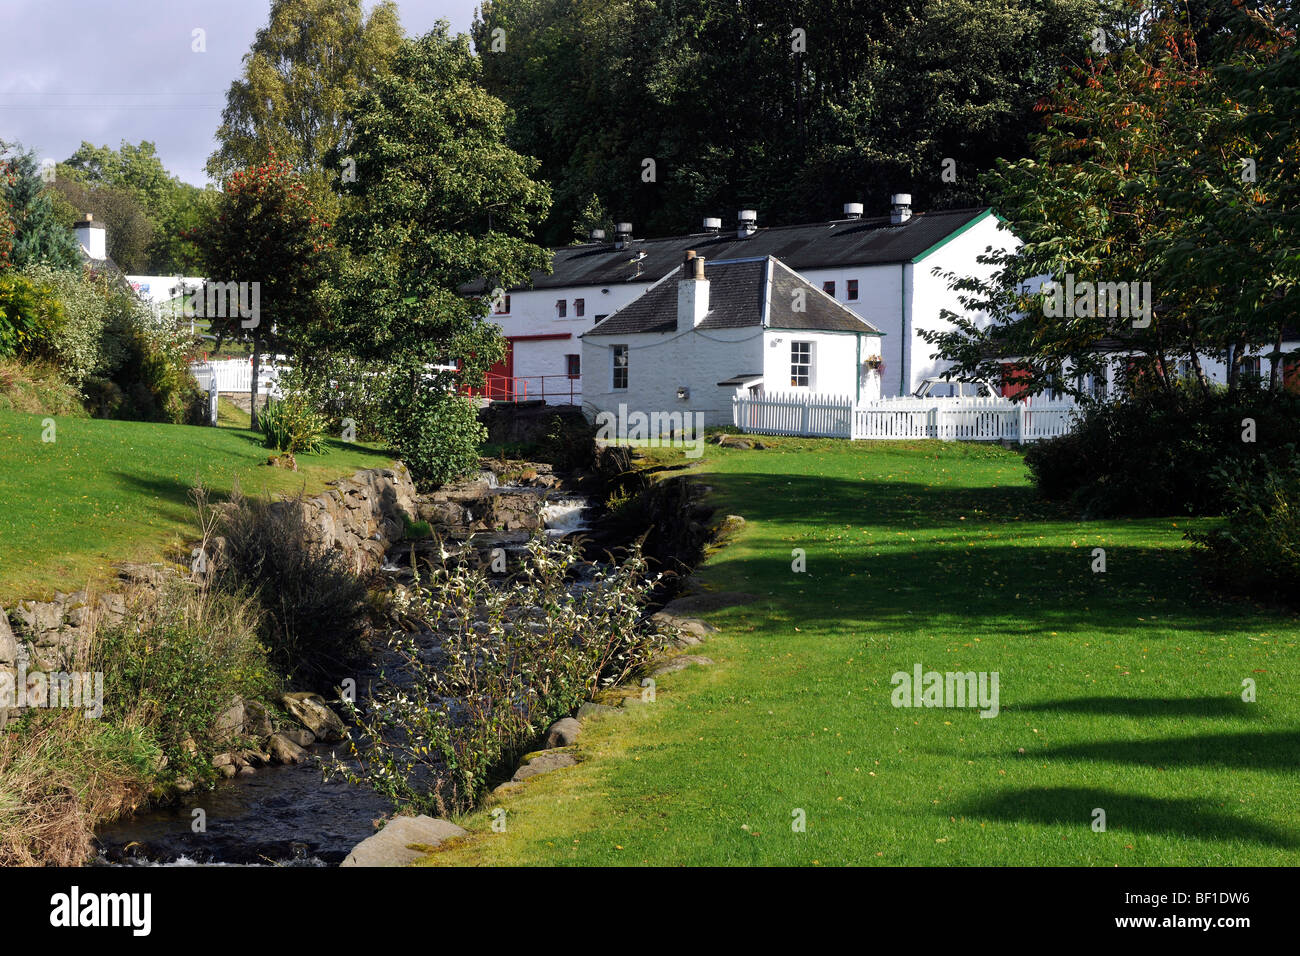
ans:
(930, 294)
(533, 312)
(879, 303)
(659, 364)
(835, 366)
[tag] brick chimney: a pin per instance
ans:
(692, 293)
(93, 237)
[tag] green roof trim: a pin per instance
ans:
(782, 328)
(957, 232)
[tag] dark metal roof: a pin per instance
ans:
(743, 293)
(742, 379)
(816, 245)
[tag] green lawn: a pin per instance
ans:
(107, 491)
(1119, 691)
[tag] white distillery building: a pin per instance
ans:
(882, 269)
(713, 330)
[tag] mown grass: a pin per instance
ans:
(109, 491)
(1120, 691)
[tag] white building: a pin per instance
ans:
(883, 269)
(711, 330)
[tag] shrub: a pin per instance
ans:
(176, 663)
(1257, 549)
(437, 434)
(30, 313)
(1159, 453)
(315, 610)
(511, 658)
(291, 425)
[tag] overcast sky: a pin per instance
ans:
(109, 70)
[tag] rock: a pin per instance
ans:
(310, 710)
(183, 784)
(284, 750)
(227, 771)
(731, 524)
(303, 738)
(392, 846)
(222, 760)
(257, 722)
(683, 625)
(592, 709)
(544, 762)
(563, 733)
(230, 722)
(246, 771)
(8, 643)
(680, 664)
(736, 441)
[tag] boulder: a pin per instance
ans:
(544, 762)
(8, 643)
(303, 738)
(680, 664)
(257, 722)
(284, 750)
(402, 841)
(683, 625)
(230, 722)
(309, 709)
(592, 709)
(563, 733)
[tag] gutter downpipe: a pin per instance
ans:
(902, 317)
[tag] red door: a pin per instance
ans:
(500, 378)
(1012, 388)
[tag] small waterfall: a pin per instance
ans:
(562, 516)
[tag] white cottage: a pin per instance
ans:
(883, 269)
(711, 330)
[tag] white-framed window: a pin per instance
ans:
(1250, 368)
(852, 285)
(801, 364)
(501, 305)
(561, 308)
(619, 354)
(829, 287)
(579, 308)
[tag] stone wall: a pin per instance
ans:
(359, 516)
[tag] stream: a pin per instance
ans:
(287, 815)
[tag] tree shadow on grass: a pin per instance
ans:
(985, 556)
(1073, 806)
(1144, 707)
(1272, 750)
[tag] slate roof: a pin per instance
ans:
(817, 245)
(742, 293)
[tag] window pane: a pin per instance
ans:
(800, 364)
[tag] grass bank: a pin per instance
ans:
(104, 491)
(1119, 690)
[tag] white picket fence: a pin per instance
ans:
(236, 375)
(945, 419)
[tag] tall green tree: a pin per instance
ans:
(163, 208)
(40, 233)
(441, 201)
(1137, 180)
(789, 106)
(303, 66)
(267, 238)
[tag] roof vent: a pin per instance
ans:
(746, 223)
(713, 225)
(598, 235)
(853, 210)
(901, 208)
(622, 234)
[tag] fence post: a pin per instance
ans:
(1020, 430)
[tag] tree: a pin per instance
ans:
(442, 201)
(790, 107)
(40, 235)
(6, 217)
(130, 229)
(170, 206)
(304, 65)
(267, 238)
(438, 202)
(1135, 180)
